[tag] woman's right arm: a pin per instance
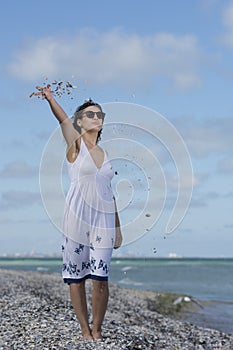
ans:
(70, 134)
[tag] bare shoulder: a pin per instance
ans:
(69, 132)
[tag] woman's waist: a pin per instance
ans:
(91, 179)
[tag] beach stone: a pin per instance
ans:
(36, 313)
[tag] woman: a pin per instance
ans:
(91, 224)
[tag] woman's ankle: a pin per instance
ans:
(96, 334)
(86, 334)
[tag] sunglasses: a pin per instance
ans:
(91, 114)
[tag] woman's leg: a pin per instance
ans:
(79, 302)
(100, 293)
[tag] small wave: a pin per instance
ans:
(42, 269)
(127, 268)
(128, 281)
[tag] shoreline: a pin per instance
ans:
(36, 313)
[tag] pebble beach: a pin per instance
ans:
(36, 313)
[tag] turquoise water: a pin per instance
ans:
(208, 280)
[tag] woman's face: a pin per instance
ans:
(92, 119)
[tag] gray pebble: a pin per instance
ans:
(36, 313)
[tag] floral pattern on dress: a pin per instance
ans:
(71, 269)
(79, 249)
(77, 262)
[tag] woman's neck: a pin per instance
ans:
(90, 137)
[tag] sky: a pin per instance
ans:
(163, 70)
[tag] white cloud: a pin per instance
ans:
(228, 16)
(13, 144)
(209, 7)
(228, 226)
(213, 136)
(196, 180)
(208, 4)
(18, 199)
(18, 169)
(226, 165)
(227, 19)
(112, 58)
(204, 199)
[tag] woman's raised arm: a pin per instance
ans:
(69, 132)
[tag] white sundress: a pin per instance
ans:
(89, 219)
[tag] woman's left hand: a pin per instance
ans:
(119, 239)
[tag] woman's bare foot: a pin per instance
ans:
(87, 336)
(97, 335)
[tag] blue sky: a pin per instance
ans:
(173, 57)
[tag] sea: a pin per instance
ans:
(208, 281)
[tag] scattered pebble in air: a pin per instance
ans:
(154, 250)
(147, 215)
(59, 88)
(116, 173)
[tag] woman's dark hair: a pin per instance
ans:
(79, 113)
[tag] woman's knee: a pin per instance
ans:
(100, 286)
(77, 286)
